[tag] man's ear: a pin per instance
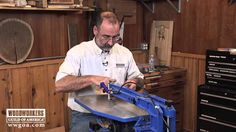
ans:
(95, 30)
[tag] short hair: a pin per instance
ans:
(110, 16)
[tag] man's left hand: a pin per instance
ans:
(131, 84)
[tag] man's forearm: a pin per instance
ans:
(73, 83)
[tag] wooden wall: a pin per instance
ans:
(201, 25)
(195, 66)
(32, 85)
(133, 28)
(50, 29)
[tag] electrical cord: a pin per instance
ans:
(153, 103)
(118, 91)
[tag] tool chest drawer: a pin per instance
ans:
(216, 109)
(169, 84)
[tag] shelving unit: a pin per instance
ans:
(47, 9)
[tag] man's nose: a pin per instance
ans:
(110, 42)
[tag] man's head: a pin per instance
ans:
(106, 30)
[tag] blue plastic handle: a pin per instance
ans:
(105, 88)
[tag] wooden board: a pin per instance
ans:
(4, 104)
(72, 35)
(161, 41)
(140, 56)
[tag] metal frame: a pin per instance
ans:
(152, 8)
(230, 2)
(158, 109)
(178, 8)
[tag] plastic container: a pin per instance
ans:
(151, 63)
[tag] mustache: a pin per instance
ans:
(107, 47)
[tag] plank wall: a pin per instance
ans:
(50, 29)
(195, 66)
(201, 25)
(31, 85)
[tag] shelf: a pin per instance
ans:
(47, 9)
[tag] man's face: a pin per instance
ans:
(106, 35)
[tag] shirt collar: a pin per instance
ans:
(96, 48)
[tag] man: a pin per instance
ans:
(88, 64)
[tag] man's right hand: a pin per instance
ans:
(74, 83)
(98, 79)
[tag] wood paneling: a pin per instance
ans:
(56, 110)
(4, 103)
(201, 24)
(122, 8)
(195, 66)
(50, 29)
(140, 56)
(31, 85)
(133, 29)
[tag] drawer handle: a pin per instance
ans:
(153, 77)
(153, 84)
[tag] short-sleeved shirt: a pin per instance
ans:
(87, 58)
